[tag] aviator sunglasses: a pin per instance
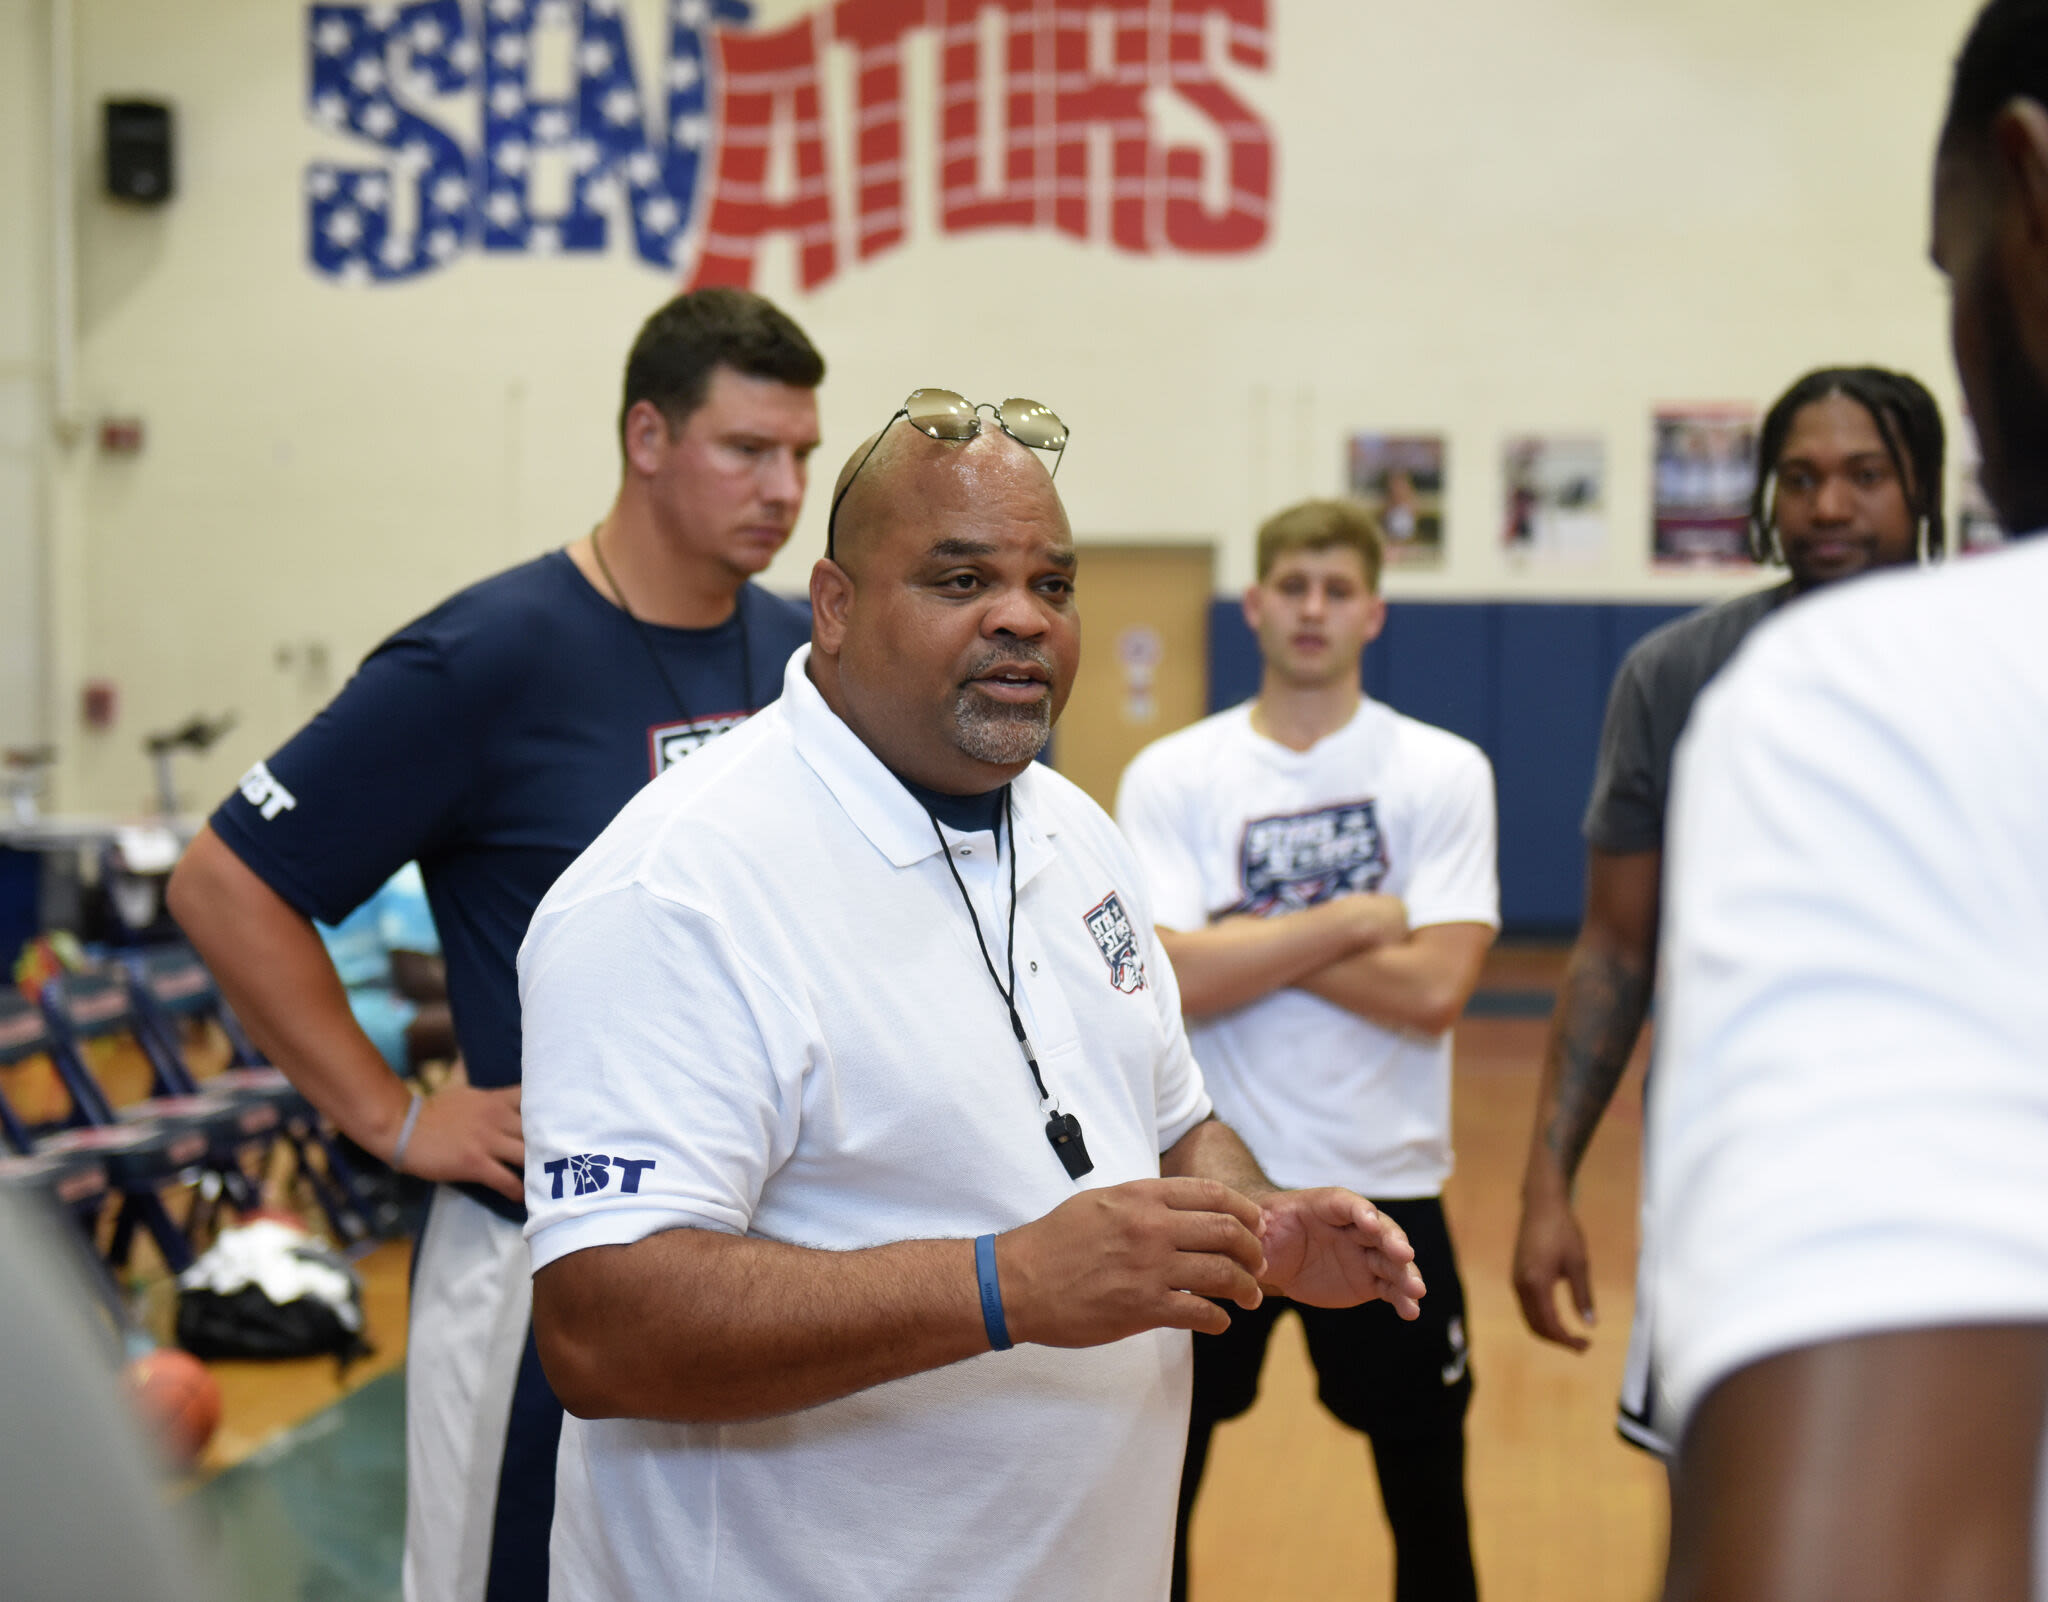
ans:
(944, 415)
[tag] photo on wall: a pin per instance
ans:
(1554, 488)
(1401, 478)
(1705, 468)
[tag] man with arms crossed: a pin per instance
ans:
(1849, 1135)
(1852, 482)
(852, 1062)
(491, 740)
(1322, 873)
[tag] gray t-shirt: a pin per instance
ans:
(1660, 678)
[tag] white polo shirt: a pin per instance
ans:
(1849, 1120)
(755, 1005)
(1224, 820)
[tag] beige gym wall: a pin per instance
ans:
(24, 368)
(1490, 217)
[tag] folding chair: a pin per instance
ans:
(93, 1006)
(74, 1165)
(170, 988)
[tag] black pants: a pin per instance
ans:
(1406, 1386)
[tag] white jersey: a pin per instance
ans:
(1849, 1120)
(756, 1005)
(1226, 821)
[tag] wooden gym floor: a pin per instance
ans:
(1562, 1511)
(1560, 1508)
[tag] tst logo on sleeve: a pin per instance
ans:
(261, 790)
(1111, 926)
(591, 1173)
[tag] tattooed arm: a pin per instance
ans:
(1600, 1011)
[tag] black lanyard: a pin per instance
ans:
(739, 611)
(1062, 1129)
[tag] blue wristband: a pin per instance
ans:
(991, 1294)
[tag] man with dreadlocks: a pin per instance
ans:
(1850, 477)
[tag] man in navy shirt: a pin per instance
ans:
(491, 740)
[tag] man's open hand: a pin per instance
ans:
(1333, 1248)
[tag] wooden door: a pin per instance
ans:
(1144, 657)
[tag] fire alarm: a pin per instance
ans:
(100, 703)
(120, 436)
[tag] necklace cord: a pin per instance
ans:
(646, 634)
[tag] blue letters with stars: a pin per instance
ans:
(592, 1173)
(382, 73)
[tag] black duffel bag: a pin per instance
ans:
(269, 1289)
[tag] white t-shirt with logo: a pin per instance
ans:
(1849, 1120)
(755, 1005)
(1226, 821)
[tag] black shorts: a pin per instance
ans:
(1374, 1370)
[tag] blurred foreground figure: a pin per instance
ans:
(1849, 1137)
(82, 1518)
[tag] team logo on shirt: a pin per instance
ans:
(591, 1173)
(1114, 938)
(669, 743)
(1302, 858)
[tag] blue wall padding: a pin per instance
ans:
(1526, 682)
(1550, 701)
(1442, 664)
(1234, 656)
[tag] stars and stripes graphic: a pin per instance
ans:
(369, 68)
(769, 80)
(529, 127)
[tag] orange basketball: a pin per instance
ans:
(179, 1401)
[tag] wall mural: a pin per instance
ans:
(678, 151)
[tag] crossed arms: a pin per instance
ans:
(1354, 951)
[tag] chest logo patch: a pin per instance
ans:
(1114, 938)
(669, 743)
(1303, 858)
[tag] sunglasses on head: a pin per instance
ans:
(945, 415)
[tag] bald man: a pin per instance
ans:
(873, 1190)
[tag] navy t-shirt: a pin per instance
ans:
(491, 741)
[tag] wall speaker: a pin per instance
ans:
(139, 151)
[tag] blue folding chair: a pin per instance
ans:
(74, 1178)
(93, 1006)
(75, 1163)
(170, 990)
